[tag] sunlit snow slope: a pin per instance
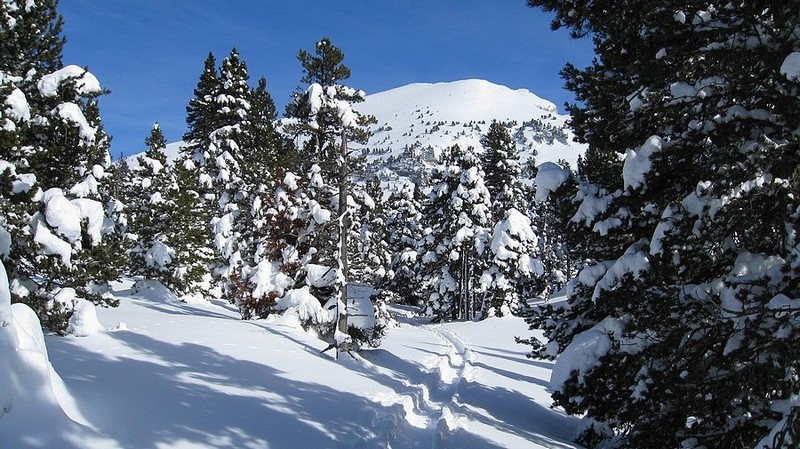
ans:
(166, 374)
(416, 120)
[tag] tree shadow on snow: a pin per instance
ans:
(192, 395)
(517, 414)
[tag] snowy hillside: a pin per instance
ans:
(416, 120)
(166, 374)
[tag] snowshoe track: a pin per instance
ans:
(430, 401)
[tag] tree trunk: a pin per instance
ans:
(341, 323)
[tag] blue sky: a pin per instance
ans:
(150, 53)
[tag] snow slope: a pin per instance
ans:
(173, 375)
(416, 120)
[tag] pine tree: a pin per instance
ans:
(369, 254)
(188, 234)
(327, 123)
(403, 233)
(267, 149)
(690, 302)
(201, 113)
(514, 270)
(500, 162)
(458, 217)
(151, 190)
(64, 224)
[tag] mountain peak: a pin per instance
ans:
(460, 101)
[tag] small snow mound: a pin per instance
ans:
(791, 66)
(84, 321)
(549, 178)
(155, 291)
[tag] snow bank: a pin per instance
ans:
(30, 390)
(84, 321)
(549, 177)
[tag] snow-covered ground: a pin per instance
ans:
(167, 374)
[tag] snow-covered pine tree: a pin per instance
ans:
(194, 201)
(218, 141)
(62, 219)
(188, 234)
(455, 235)
(684, 332)
(559, 237)
(402, 234)
(151, 192)
(513, 269)
(369, 255)
(325, 124)
(500, 162)
(223, 167)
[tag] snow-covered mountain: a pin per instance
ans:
(416, 120)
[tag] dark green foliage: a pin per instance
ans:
(201, 113)
(500, 162)
(698, 263)
(30, 40)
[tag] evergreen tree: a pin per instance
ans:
(151, 190)
(457, 222)
(223, 167)
(201, 113)
(266, 149)
(369, 254)
(402, 234)
(326, 124)
(57, 202)
(690, 300)
(188, 233)
(319, 120)
(514, 270)
(500, 161)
